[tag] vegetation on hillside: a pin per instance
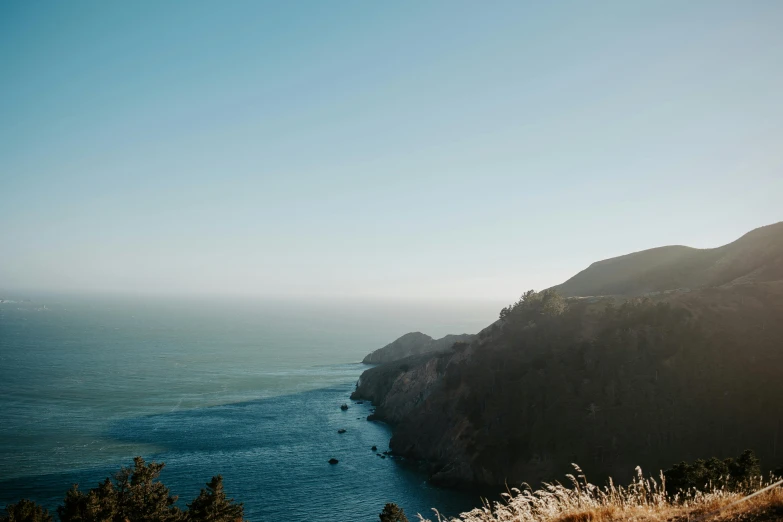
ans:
(134, 495)
(645, 499)
(606, 382)
(532, 304)
(726, 474)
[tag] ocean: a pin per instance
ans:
(248, 389)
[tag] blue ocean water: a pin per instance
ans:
(248, 389)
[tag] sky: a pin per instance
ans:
(416, 150)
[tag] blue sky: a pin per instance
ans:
(383, 149)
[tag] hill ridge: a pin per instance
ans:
(756, 256)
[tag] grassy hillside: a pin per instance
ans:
(755, 257)
(643, 500)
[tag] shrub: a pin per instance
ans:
(26, 511)
(729, 474)
(135, 495)
(393, 513)
(212, 505)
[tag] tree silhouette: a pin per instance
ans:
(212, 505)
(26, 511)
(731, 474)
(135, 496)
(393, 513)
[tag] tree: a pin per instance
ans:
(135, 496)
(745, 468)
(26, 511)
(732, 474)
(552, 303)
(547, 302)
(527, 297)
(393, 513)
(212, 505)
(74, 507)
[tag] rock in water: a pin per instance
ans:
(344, 407)
(341, 430)
(333, 461)
(374, 448)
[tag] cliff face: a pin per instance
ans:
(414, 343)
(601, 382)
(396, 388)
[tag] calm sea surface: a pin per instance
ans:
(247, 389)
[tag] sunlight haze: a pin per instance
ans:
(406, 150)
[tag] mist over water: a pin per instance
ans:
(248, 389)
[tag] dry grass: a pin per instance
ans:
(644, 500)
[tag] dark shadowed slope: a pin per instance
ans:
(608, 383)
(755, 257)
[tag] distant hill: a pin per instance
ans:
(755, 257)
(414, 343)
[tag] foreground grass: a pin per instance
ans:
(644, 500)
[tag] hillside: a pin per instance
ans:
(645, 499)
(414, 343)
(609, 383)
(755, 257)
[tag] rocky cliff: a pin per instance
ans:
(609, 383)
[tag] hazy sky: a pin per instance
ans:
(406, 149)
